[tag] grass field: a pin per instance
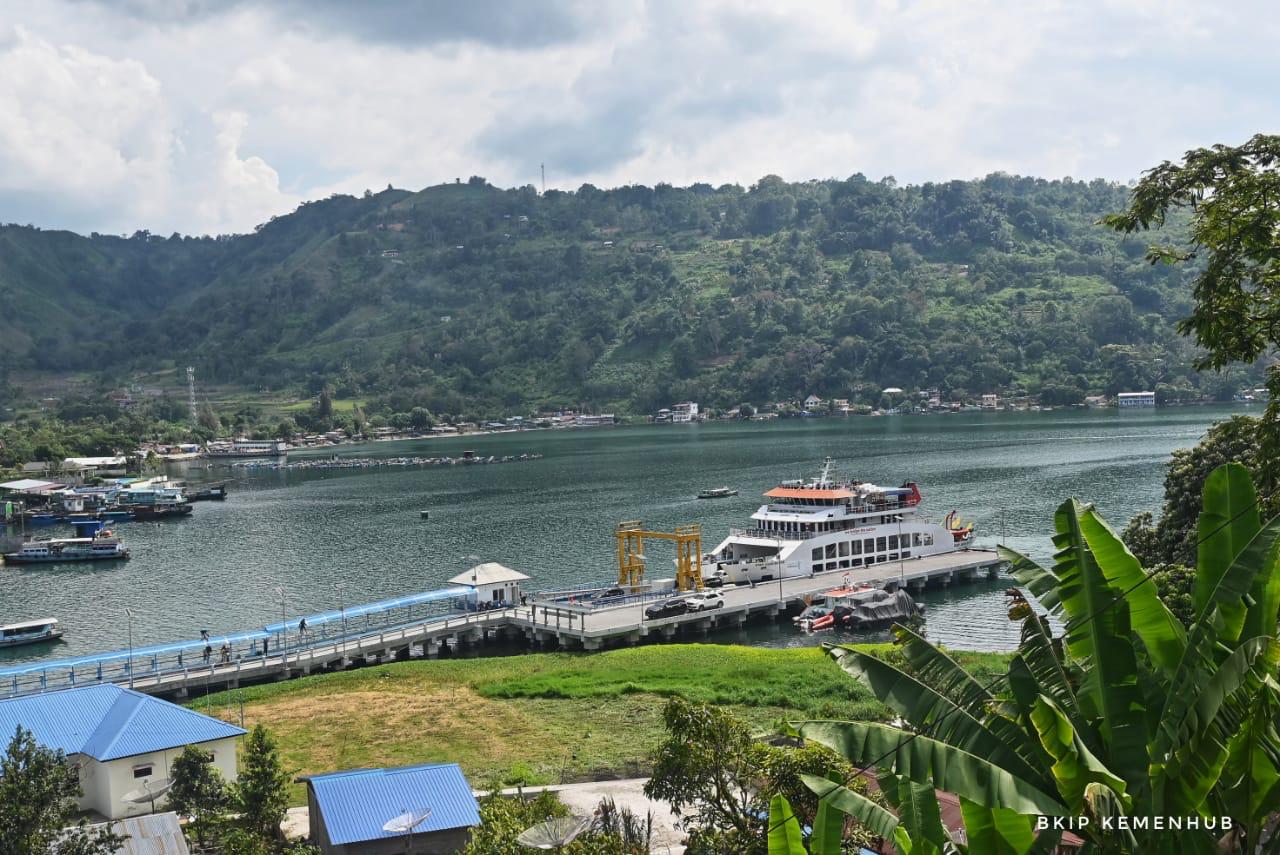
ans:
(539, 718)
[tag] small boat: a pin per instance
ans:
(717, 493)
(29, 632)
(99, 546)
(161, 510)
(207, 493)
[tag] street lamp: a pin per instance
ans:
(284, 629)
(129, 612)
(342, 608)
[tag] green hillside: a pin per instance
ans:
(468, 298)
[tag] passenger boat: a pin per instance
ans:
(826, 524)
(102, 546)
(29, 632)
(717, 493)
(161, 509)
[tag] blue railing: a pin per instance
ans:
(294, 635)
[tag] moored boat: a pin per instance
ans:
(101, 546)
(29, 632)
(717, 493)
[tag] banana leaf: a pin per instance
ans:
(1074, 765)
(920, 817)
(785, 837)
(997, 831)
(936, 715)
(1251, 774)
(877, 818)
(1099, 636)
(1228, 523)
(1161, 632)
(1038, 580)
(930, 761)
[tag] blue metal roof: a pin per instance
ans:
(108, 722)
(355, 805)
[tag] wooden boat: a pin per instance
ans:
(717, 493)
(29, 632)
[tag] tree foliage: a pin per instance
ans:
(199, 792)
(471, 299)
(38, 810)
(261, 792)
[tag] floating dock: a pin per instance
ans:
(424, 625)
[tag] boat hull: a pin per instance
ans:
(14, 558)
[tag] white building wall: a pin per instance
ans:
(105, 784)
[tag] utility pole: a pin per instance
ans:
(191, 394)
(544, 179)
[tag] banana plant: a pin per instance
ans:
(1124, 718)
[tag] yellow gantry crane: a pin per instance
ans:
(688, 540)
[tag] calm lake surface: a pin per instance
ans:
(554, 518)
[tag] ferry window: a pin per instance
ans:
(915, 539)
(857, 547)
(880, 547)
(868, 545)
(893, 556)
(844, 548)
(928, 540)
(893, 541)
(142, 771)
(906, 553)
(857, 562)
(817, 554)
(844, 565)
(831, 550)
(831, 565)
(817, 568)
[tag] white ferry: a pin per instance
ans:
(102, 546)
(247, 448)
(824, 524)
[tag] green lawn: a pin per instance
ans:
(540, 718)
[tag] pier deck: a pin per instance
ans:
(543, 622)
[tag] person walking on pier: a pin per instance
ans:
(208, 652)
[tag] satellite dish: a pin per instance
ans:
(148, 792)
(406, 822)
(553, 834)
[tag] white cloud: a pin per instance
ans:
(210, 117)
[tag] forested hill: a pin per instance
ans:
(468, 298)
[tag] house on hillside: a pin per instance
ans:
(813, 404)
(119, 740)
(1128, 400)
(360, 812)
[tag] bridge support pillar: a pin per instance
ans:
(591, 643)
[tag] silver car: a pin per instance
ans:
(705, 601)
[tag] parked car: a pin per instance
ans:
(705, 601)
(666, 608)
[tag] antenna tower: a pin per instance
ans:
(191, 394)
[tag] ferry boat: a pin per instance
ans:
(247, 448)
(825, 524)
(29, 632)
(102, 546)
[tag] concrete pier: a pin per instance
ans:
(542, 624)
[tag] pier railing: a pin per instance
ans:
(294, 639)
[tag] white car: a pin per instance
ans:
(705, 601)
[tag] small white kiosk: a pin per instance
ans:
(492, 582)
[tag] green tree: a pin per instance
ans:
(1129, 714)
(1172, 538)
(1232, 195)
(720, 778)
(208, 419)
(199, 792)
(261, 795)
(38, 810)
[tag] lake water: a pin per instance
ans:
(554, 518)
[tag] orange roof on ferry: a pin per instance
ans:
(807, 493)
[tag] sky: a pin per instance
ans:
(211, 116)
